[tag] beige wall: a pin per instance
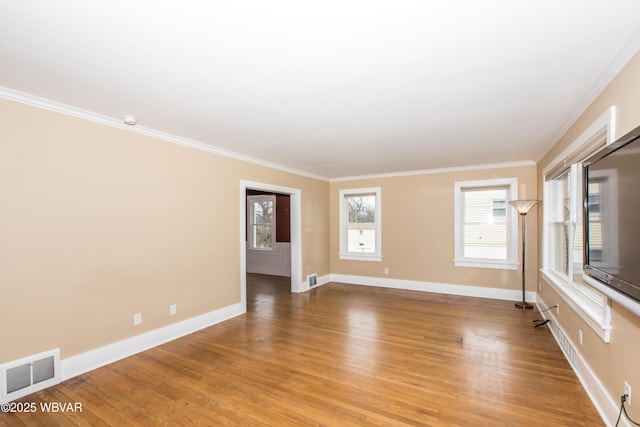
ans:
(418, 229)
(617, 361)
(99, 223)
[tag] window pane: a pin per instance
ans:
(560, 207)
(577, 251)
(361, 239)
(485, 223)
(262, 222)
(362, 209)
(560, 253)
(262, 236)
(499, 208)
(361, 234)
(263, 212)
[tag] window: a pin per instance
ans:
(563, 244)
(360, 224)
(499, 208)
(262, 229)
(564, 238)
(485, 231)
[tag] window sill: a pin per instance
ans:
(598, 318)
(357, 257)
(500, 265)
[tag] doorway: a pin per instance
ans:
(295, 234)
(268, 233)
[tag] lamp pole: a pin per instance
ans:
(523, 207)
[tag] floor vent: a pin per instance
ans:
(566, 346)
(312, 279)
(29, 374)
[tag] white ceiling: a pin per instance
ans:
(333, 88)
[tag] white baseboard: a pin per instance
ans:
(441, 288)
(605, 404)
(323, 280)
(304, 286)
(93, 359)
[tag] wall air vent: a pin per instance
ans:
(312, 279)
(29, 374)
(566, 346)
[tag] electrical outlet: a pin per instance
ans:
(137, 319)
(172, 309)
(627, 392)
(557, 308)
(386, 270)
(580, 336)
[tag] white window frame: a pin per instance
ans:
(511, 262)
(344, 224)
(250, 201)
(597, 316)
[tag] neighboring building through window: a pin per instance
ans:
(262, 228)
(499, 208)
(486, 232)
(596, 189)
(603, 247)
(360, 224)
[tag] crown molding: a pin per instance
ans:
(58, 107)
(438, 170)
(68, 110)
(627, 51)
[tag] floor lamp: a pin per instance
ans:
(523, 207)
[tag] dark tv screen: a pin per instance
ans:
(612, 215)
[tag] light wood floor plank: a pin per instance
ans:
(340, 355)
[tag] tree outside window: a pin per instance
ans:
(261, 222)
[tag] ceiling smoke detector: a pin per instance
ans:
(129, 120)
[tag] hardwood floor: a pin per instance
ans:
(340, 355)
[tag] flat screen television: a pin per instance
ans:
(612, 216)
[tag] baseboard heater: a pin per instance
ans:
(21, 377)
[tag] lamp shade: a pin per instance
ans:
(523, 206)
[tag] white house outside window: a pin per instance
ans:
(360, 224)
(485, 231)
(262, 229)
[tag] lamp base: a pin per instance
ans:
(524, 305)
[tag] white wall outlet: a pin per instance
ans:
(137, 319)
(173, 309)
(627, 391)
(557, 308)
(580, 336)
(386, 270)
